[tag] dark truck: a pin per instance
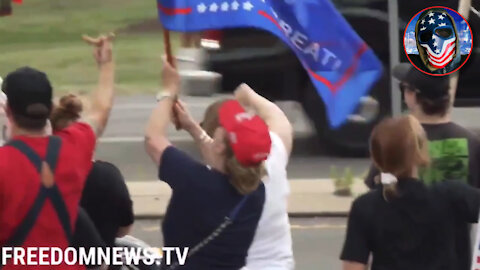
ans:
(267, 64)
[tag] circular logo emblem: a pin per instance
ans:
(438, 41)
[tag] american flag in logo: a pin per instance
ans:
(436, 33)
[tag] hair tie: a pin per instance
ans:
(388, 178)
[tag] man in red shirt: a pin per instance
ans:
(41, 176)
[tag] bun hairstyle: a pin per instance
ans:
(244, 179)
(398, 146)
(68, 110)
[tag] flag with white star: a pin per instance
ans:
(437, 35)
(340, 65)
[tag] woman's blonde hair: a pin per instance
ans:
(398, 145)
(244, 179)
(68, 110)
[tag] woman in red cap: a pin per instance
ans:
(271, 248)
(214, 210)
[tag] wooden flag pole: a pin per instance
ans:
(168, 52)
(168, 47)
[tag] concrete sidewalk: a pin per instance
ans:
(308, 198)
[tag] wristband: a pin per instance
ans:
(205, 138)
(161, 95)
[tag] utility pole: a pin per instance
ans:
(464, 10)
(396, 96)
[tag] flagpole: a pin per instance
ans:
(168, 47)
(396, 97)
(168, 52)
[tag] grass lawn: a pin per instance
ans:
(47, 35)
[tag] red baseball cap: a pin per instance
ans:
(247, 133)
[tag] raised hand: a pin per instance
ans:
(102, 47)
(183, 118)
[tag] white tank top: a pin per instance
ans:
(271, 248)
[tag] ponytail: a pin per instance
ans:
(68, 110)
(390, 191)
(398, 147)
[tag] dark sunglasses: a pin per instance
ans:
(403, 87)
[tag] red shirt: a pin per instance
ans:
(20, 183)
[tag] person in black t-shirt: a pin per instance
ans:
(107, 201)
(105, 197)
(404, 224)
(454, 150)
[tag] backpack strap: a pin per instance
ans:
(48, 189)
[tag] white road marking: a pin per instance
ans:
(293, 227)
(148, 106)
(134, 139)
(318, 227)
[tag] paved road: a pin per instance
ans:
(122, 142)
(316, 241)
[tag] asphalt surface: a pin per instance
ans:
(317, 242)
(122, 143)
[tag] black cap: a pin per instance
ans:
(428, 86)
(29, 93)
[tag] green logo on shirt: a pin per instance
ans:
(449, 161)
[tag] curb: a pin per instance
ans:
(308, 198)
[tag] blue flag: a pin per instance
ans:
(340, 64)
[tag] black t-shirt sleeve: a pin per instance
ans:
(120, 194)
(123, 199)
(177, 168)
(464, 199)
(107, 201)
(474, 165)
(355, 247)
(370, 178)
(86, 234)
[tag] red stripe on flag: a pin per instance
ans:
(438, 65)
(273, 20)
(266, 15)
(17, 1)
(446, 50)
(322, 80)
(346, 76)
(333, 87)
(174, 11)
(352, 68)
(444, 57)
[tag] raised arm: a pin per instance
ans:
(156, 140)
(186, 122)
(102, 97)
(273, 116)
